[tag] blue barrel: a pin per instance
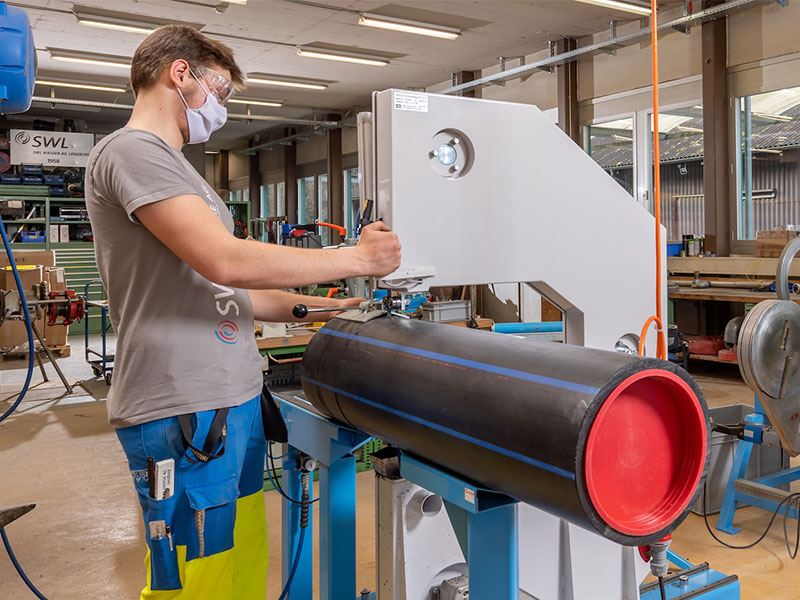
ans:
(17, 60)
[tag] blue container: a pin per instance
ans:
(57, 191)
(53, 179)
(17, 60)
(11, 178)
(32, 169)
(674, 248)
(33, 237)
(31, 179)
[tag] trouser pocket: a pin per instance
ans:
(164, 571)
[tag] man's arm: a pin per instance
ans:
(188, 227)
(275, 306)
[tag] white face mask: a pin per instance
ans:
(204, 121)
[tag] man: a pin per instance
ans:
(183, 293)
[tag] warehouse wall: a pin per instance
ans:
(238, 170)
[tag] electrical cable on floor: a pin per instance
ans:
(22, 393)
(662, 588)
(17, 566)
(788, 500)
(273, 478)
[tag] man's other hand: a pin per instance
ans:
(379, 250)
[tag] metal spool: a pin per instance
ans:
(769, 360)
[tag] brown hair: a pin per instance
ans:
(173, 42)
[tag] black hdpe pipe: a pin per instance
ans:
(611, 442)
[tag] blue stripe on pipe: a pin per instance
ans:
(472, 364)
(543, 327)
(446, 430)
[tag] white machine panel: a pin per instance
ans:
(494, 192)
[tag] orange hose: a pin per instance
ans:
(661, 345)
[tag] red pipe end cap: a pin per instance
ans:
(645, 452)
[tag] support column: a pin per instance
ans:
(568, 92)
(335, 178)
(466, 77)
(224, 171)
(290, 179)
(254, 185)
(716, 182)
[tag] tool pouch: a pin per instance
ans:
(164, 570)
(274, 425)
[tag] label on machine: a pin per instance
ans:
(410, 101)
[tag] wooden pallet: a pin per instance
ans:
(59, 352)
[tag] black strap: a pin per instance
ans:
(274, 425)
(217, 433)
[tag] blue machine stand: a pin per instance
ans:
(692, 581)
(746, 496)
(332, 446)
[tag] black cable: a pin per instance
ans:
(790, 498)
(662, 588)
(792, 555)
(273, 477)
(18, 567)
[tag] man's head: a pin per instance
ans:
(178, 67)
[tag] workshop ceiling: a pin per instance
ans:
(265, 34)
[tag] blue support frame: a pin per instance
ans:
(332, 446)
(741, 460)
(492, 526)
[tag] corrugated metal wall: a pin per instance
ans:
(779, 173)
(682, 210)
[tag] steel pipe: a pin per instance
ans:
(614, 443)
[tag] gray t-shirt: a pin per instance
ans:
(184, 344)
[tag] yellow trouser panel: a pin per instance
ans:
(236, 574)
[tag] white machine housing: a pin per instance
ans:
(521, 203)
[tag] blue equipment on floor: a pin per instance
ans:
(765, 492)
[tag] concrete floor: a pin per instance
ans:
(84, 539)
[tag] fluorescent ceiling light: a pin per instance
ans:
(638, 9)
(89, 58)
(235, 1)
(80, 86)
(349, 57)
(286, 81)
(406, 26)
(145, 30)
(256, 102)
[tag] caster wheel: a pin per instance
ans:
(107, 377)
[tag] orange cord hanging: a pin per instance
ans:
(661, 346)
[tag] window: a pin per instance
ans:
(307, 200)
(768, 177)
(610, 144)
(240, 195)
(681, 149)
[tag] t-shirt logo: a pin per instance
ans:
(211, 202)
(227, 332)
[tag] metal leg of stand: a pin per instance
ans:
(52, 358)
(38, 356)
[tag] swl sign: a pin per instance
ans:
(50, 148)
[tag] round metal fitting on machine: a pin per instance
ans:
(450, 154)
(784, 263)
(769, 341)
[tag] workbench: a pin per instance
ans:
(713, 294)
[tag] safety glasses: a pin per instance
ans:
(217, 84)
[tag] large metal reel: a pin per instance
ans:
(784, 262)
(769, 360)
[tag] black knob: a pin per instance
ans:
(300, 311)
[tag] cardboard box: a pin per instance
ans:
(769, 244)
(29, 276)
(46, 258)
(14, 333)
(54, 233)
(56, 335)
(57, 278)
(64, 233)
